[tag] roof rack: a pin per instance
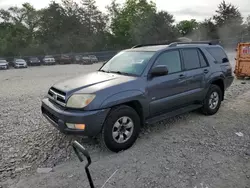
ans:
(215, 42)
(174, 43)
(151, 44)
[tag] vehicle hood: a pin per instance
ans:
(92, 82)
(18, 62)
(3, 64)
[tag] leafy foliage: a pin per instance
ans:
(77, 27)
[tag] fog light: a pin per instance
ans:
(70, 125)
(75, 126)
(80, 126)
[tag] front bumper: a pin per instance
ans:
(35, 63)
(58, 117)
(49, 62)
(20, 66)
(3, 66)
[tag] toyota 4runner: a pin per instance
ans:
(141, 85)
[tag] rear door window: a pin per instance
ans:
(217, 53)
(191, 59)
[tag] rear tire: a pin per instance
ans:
(121, 129)
(212, 101)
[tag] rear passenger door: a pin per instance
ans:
(195, 68)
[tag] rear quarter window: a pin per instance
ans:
(203, 60)
(217, 53)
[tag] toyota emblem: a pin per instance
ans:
(55, 97)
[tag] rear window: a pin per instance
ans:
(217, 53)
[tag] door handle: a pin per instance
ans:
(181, 76)
(205, 71)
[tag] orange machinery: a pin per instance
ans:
(242, 66)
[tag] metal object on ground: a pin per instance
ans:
(78, 148)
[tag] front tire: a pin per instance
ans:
(121, 129)
(212, 101)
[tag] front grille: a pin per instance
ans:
(51, 116)
(57, 96)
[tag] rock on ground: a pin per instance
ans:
(44, 170)
(183, 151)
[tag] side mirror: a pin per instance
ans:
(78, 148)
(225, 60)
(159, 70)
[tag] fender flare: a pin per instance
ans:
(123, 97)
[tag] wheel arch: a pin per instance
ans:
(220, 83)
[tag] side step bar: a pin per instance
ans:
(173, 113)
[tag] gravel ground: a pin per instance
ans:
(185, 151)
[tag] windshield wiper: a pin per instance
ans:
(103, 71)
(119, 72)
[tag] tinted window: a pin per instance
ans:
(202, 59)
(191, 59)
(129, 62)
(171, 59)
(217, 53)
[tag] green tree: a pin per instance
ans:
(246, 32)
(207, 30)
(158, 27)
(187, 27)
(228, 21)
(138, 21)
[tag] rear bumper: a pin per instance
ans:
(58, 117)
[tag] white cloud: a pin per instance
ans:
(181, 9)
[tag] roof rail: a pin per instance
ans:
(215, 42)
(151, 44)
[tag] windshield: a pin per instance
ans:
(128, 62)
(3, 61)
(34, 58)
(19, 60)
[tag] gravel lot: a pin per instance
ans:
(186, 151)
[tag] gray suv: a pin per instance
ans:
(141, 85)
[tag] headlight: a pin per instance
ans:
(80, 100)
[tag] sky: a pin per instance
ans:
(181, 9)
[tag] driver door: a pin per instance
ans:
(165, 92)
